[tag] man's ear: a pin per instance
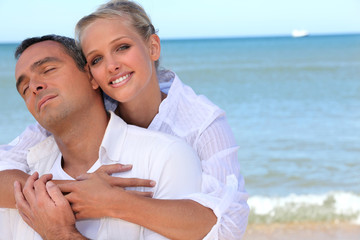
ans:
(155, 47)
(94, 84)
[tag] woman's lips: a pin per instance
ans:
(118, 81)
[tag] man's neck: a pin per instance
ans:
(80, 141)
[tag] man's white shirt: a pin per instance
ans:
(169, 161)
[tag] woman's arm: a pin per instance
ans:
(13, 164)
(7, 179)
(180, 172)
(223, 187)
(175, 219)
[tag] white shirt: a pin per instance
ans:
(169, 161)
(201, 124)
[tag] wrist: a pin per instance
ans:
(70, 234)
(122, 203)
(76, 235)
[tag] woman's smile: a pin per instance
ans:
(119, 81)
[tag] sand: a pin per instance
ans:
(308, 231)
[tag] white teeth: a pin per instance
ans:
(119, 80)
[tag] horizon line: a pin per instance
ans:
(230, 37)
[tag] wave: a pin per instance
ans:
(329, 207)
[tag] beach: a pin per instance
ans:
(302, 231)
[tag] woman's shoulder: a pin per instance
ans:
(188, 110)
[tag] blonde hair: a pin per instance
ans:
(119, 8)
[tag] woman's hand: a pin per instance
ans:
(93, 194)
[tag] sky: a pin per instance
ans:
(20, 19)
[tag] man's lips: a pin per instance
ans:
(44, 99)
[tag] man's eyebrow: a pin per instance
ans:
(43, 61)
(36, 65)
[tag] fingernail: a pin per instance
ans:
(127, 166)
(152, 183)
(50, 184)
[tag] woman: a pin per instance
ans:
(122, 49)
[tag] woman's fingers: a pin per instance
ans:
(108, 169)
(55, 194)
(67, 187)
(131, 182)
(114, 168)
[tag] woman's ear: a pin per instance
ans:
(155, 47)
(94, 84)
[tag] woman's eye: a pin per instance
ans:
(95, 60)
(123, 47)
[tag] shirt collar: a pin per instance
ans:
(114, 138)
(42, 156)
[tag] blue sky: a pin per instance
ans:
(20, 19)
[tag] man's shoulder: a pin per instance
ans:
(152, 136)
(158, 143)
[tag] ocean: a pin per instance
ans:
(293, 104)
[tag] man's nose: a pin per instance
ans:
(36, 86)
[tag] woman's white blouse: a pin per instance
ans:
(201, 124)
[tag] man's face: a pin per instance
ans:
(50, 83)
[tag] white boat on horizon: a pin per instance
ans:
(299, 33)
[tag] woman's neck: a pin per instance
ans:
(142, 110)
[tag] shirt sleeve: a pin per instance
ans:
(5, 227)
(13, 155)
(178, 177)
(223, 187)
(178, 171)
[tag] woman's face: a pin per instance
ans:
(120, 60)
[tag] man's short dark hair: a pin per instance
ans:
(68, 43)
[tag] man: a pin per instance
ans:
(60, 96)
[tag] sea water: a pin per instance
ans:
(294, 107)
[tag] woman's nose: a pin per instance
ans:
(112, 65)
